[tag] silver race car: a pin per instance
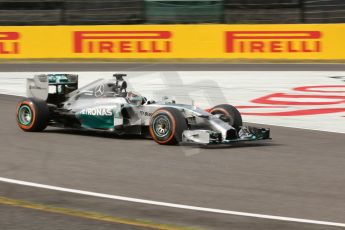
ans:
(55, 100)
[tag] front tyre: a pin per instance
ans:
(167, 125)
(32, 115)
(229, 114)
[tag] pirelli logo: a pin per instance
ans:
(9, 43)
(122, 42)
(273, 41)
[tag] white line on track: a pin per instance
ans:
(171, 205)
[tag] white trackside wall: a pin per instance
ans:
(300, 99)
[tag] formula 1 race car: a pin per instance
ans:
(55, 100)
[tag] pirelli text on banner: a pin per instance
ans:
(122, 42)
(273, 41)
(9, 43)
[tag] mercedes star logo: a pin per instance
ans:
(99, 90)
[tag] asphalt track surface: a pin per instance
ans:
(300, 174)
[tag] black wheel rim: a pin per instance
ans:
(25, 115)
(161, 126)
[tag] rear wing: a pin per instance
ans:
(51, 87)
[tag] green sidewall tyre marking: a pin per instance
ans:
(21, 114)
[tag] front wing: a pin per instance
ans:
(208, 137)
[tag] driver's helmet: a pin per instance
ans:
(135, 98)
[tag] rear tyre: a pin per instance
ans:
(228, 114)
(167, 125)
(32, 115)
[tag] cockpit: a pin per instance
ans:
(135, 98)
(109, 88)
